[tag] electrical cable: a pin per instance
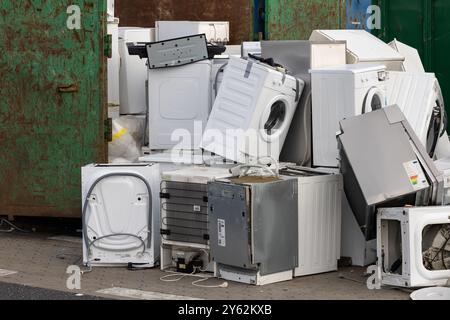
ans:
(89, 243)
(195, 283)
(12, 226)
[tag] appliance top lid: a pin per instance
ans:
(350, 68)
(196, 174)
(362, 44)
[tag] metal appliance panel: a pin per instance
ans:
(229, 206)
(274, 226)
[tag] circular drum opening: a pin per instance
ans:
(276, 118)
(376, 103)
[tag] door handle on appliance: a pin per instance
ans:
(68, 88)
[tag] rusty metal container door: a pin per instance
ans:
(52, 103)
(296, 19)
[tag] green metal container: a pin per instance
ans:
(52, 103)
(296, 19)
(425, 25)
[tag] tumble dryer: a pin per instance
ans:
(133, 71)
(420, 98)
(252, 112)
(338, 93)
(179, 105)
(121, 219)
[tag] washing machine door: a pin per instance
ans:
(275, 120)
(374, 100)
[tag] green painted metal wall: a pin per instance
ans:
(52, 104)
(296, 19)
(425, 25)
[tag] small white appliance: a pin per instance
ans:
(413, 62)
(121, 220)
(252, 113)
(338, 93)
(184, 218)
(251, 47)
(114, 63)
(414, 246)
(179, 105)
(216, 31)
(362, 47)
(319, 219)
(133, 71)
(420, 98)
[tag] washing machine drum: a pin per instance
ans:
(275, 119)
(374, 100)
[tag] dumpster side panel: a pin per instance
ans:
(144, 13)
(52, 103)
(296, 19)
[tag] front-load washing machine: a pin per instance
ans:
(179, 105)
(420, 98)
(121, 215)
(339, 93)
(252, 113)
(133, 71)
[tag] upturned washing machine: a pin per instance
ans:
(252, 113)
(179, 105)
(339, 93)
(121, 215)
(420, 98)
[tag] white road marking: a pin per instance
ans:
(142, 295)
(5, 273)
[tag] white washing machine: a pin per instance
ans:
(414, 247)
(133, 71)
(121, 215)
(420, 98)
(339, 93)
(252, 112)
(179, 105)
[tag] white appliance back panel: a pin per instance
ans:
(216, 31)
(179, 99)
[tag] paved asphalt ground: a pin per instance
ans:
(21, 292)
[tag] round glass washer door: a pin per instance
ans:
(273, 120)
(375, 100)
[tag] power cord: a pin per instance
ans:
(12, 226)
(202, 278)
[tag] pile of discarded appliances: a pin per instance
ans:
(274, 159)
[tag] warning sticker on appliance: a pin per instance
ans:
(221, 232)
(416, 175)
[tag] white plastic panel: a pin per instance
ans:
(319, 223)
(413, 62)
(133, 71)
(201, 175)
(179, 103)
(416, 95)
(362, 46)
